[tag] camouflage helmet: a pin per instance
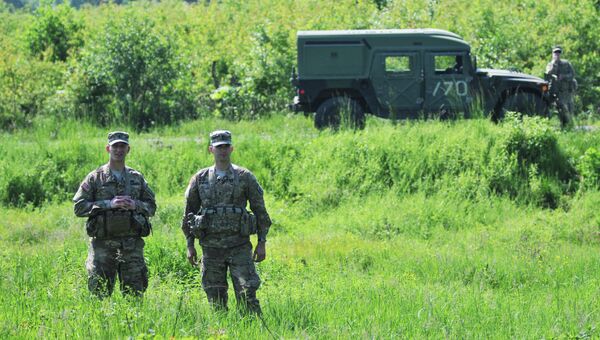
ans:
(556, 49)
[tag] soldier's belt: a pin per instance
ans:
(222, 211)
(223, 220)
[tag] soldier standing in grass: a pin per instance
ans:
(215, 213)
(561, 75)
(117, 202)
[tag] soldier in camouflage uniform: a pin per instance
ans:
(561, 75)
(117, 202)
(216, 214)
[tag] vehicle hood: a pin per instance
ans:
(509, 75)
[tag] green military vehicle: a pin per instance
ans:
(407, 73)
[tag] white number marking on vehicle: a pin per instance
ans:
(459, 86)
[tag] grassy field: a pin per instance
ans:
(420, 229)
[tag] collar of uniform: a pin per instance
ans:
(228, 172)
(106, 170)
(107, 174)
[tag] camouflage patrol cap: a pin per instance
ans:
(220, 137)
(118, 137)
(556, 49)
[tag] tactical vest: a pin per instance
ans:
(561, 68)
(219, 213)
(115, 223)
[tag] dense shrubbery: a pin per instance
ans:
(233, 58)
(41, 171)
(590, 169)
(131, 73)
(55, 33)
(26, 87)
(529, 162)
(520, 159)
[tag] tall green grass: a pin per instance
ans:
(391, 232)
(473, 159)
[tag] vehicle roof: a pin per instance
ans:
(423, 37)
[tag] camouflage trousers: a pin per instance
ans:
(111, 257)
(565, 106)
(238, 259)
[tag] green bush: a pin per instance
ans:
(131, 73)
(528, 163)
(589, 168)
(23, 189)
(258, 85)
(533, 140)
(25, 87)
(234, 102)
(55, 34)
(271, 59)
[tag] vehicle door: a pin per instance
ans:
(447, 81)
(397, 80)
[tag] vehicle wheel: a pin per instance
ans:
(447, 114)
(523, 102)
(338, 111)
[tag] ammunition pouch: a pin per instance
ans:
(248, 224)
(141, 225)
(118, 223)
(227, 219)
(92, 223)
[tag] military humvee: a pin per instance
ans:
(405, 73)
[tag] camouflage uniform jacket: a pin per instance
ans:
(100, 186)
(236, 188)
(565, 70)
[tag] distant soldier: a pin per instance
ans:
(216, 214)
(117, 202)
(561, 75)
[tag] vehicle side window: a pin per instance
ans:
(398, 64)
(448, 64)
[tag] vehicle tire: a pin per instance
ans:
(447, 114)
(525, 103)
(338, 111)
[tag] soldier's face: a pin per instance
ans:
(556, 55)
(221, 152)
(118, 151)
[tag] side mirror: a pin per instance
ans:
(474, 62)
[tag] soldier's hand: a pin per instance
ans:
(192, 256)
(132, 205)
(260, 252)
(119, 202)
(122, 202)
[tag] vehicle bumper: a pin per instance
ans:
(297, 106)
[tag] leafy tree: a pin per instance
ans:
(131, 73)
(264, 83)
(55, 33)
